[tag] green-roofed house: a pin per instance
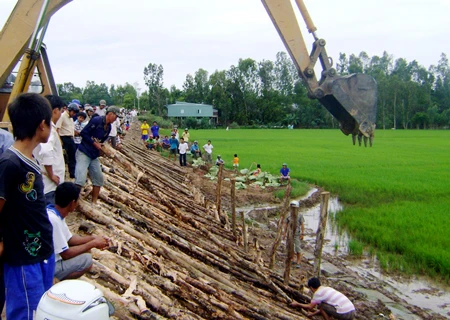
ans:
(182, 110)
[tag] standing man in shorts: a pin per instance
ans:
(92, 136)
(298, 237)
(173, 147)
(144, 129)
(330, 302)
(71, 251)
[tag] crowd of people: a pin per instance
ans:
(37, 245)
(181, 146)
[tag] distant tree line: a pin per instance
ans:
(271, 93)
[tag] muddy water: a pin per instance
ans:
(418, 291)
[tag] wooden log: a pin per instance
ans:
(258, 260)
(244, 232)
(290, 242)
(281, 222)
(219, 190)
(320, 235)
(233, 206)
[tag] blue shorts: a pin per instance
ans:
(84, 163)
(25, 286)
(144, 137)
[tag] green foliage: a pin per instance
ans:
(204, 124)
(162, 123)
(299, 188)
(234, 125)
(396, 194)
(157, 94)
(190, 123)
(355, 248)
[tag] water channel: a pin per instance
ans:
(418, 291)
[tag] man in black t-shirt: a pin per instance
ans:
(27, 247)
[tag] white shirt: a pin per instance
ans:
(65, 125)
(183, 147)
(51, 154)
(334, 298)
(208, 148)
(100, 112)
(61, 233)
(114, 127)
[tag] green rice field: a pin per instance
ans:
(396, 194)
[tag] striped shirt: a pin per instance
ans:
(333, 297)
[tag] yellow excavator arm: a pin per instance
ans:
(21, 37)
(352, 99)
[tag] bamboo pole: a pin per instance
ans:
(290, 241)
(233, 205)
(244, 232)
(321, 232)
(219, 190)
(283, 215)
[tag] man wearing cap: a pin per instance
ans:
(219, 160)
(101, 109)
(93, 135)
(185, 135)
(195, 150)
(66, 128)
(284, 173)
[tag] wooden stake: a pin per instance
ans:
(283, 214)
(290, 242)
(321, 232)
(219, 190)
(233, 205)
(244, 232)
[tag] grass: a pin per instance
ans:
(299, 188)
(355, 248)
(396, 194)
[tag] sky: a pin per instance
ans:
(111, 41)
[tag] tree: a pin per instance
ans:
(201, 86)
(175, 94)
(342, 65)
(68, 91)
(93, 93)
(153, 76)
(189, 89)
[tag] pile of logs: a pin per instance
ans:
(170, 257)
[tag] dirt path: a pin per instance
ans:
(371, 298)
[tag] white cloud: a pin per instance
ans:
(111, 41)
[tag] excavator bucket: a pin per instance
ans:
(352, 100)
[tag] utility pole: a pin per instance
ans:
(138, 92)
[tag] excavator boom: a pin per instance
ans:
(21, 37)
(351, 99)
